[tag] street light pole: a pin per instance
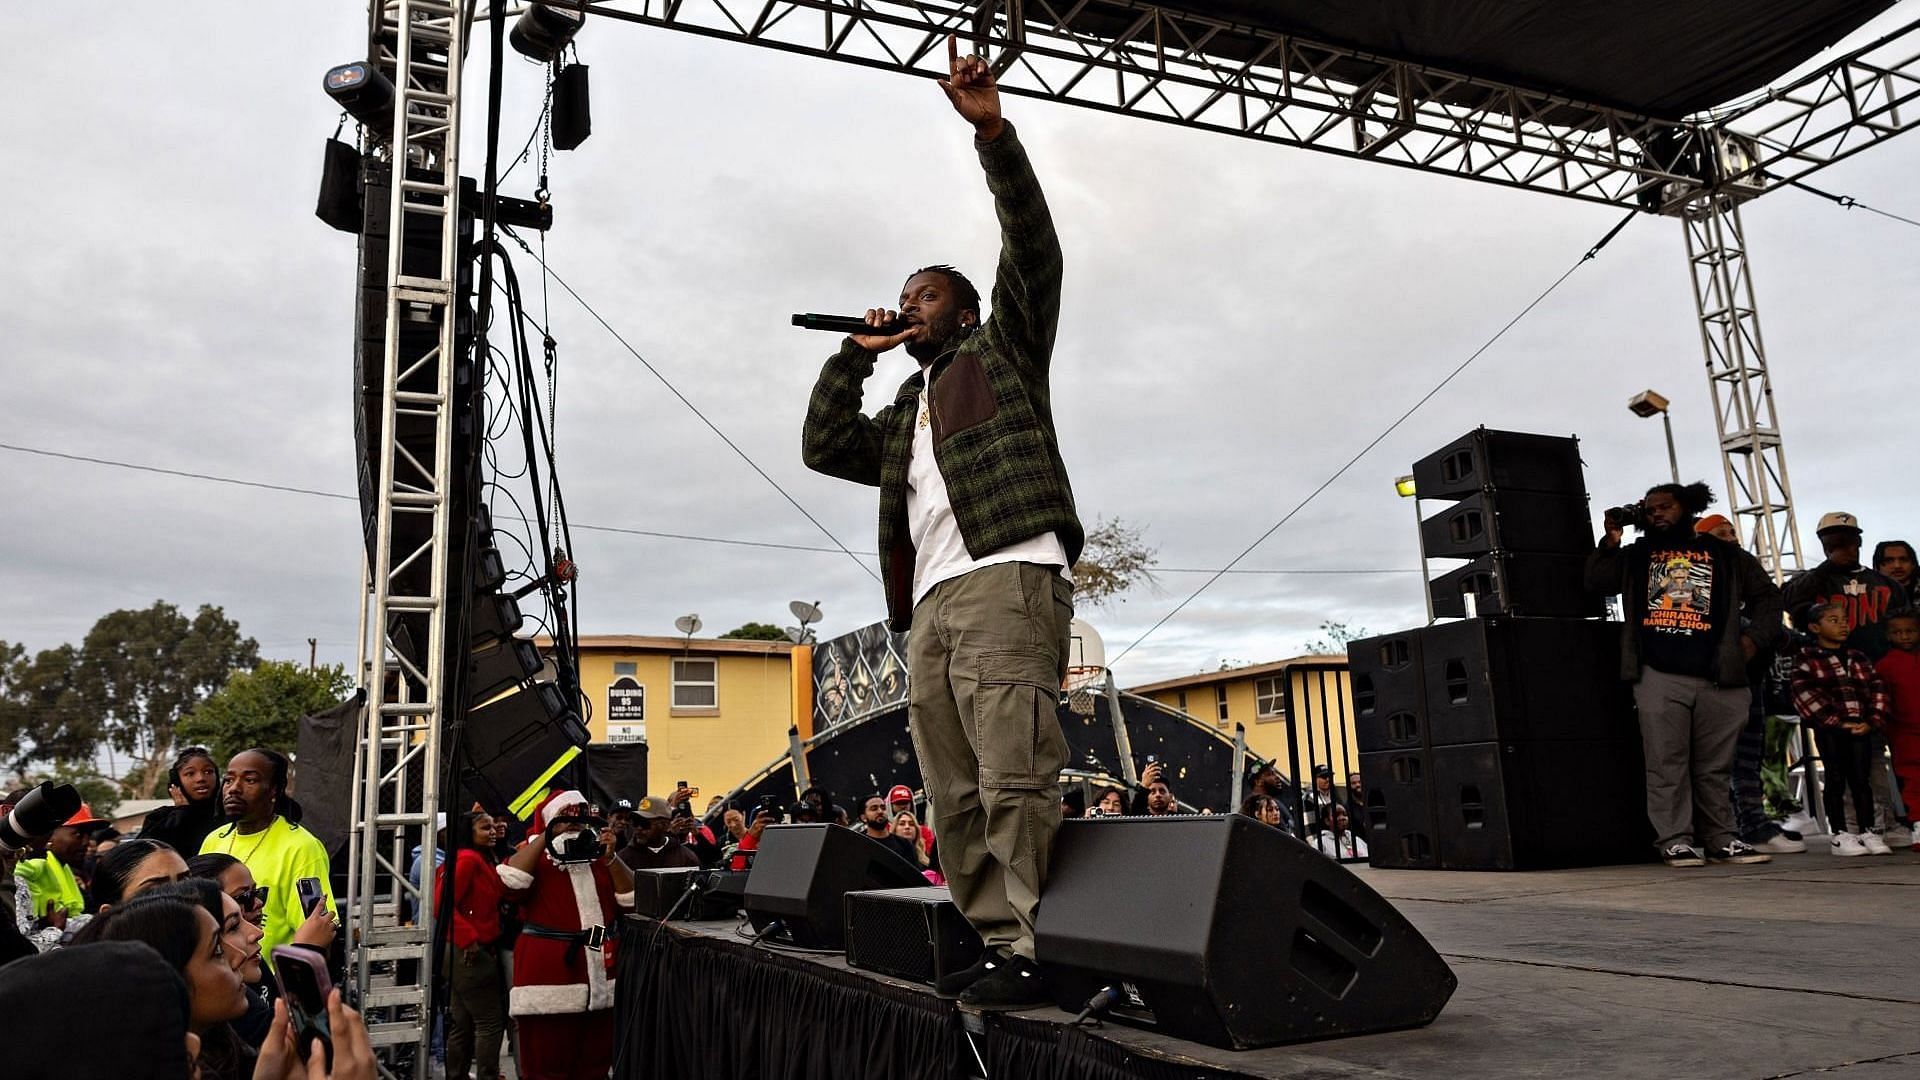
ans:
(1648, 403)
(1673, 459)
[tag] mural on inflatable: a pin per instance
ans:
(858, 673)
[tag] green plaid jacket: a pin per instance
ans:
(993, 432)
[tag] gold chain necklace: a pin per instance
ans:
(248, 858)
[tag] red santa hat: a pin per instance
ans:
(562, 802)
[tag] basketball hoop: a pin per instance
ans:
(1080, 683)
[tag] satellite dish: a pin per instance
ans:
(808, 614)
(687, 624)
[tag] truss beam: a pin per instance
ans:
(1752, 458)
(419, 45)
(1858, 101)
(1154, 63)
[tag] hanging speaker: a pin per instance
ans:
(1235, 935)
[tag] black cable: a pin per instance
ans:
(1848, 202)
(675, 391)
(1378, 439)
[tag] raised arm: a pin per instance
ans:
(1026, 284)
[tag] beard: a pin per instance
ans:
(935, 337)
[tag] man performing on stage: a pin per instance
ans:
(977, 532)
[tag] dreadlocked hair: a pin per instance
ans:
(963, 289)
(280, 768)
(1694, 498)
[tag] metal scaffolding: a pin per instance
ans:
(419, 46)
(1750, 452)
(1124, 57)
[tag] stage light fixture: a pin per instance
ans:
(541, 31)
(365, 92)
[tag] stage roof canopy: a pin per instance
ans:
(1663, 59)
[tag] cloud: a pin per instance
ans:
(1240, 319)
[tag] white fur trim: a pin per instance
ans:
(515, 878)
(560, 1000)
(624, 899)
(561, 800)
(586, 899)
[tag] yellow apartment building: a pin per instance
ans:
(711, 710)
(1311, 691)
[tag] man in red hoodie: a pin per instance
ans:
(1900, 668)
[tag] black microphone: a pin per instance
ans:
(847, 324)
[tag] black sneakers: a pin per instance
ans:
(951, 985)
(1013, 983)
(1681, 853)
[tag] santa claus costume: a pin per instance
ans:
(562, 996)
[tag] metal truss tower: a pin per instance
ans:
(419, 45)
(1751, 455)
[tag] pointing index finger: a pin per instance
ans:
(953, 54)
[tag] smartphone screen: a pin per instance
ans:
(301, 973)
(311, 895)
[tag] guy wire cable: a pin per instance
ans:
(1378, 439)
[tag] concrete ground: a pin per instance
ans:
(1807, 965)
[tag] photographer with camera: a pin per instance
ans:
(1685, 649)
(569, 887)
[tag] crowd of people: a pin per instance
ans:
(183, 924)
(1713, 648)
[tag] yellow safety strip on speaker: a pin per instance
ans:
(523, 806)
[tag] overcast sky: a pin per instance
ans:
(1239, 319)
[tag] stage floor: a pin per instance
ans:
(1810, 964)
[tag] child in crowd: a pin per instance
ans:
(1843, 700)
(1901, 670)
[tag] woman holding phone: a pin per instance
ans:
(266, 835)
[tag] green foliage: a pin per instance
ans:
(757, 631)
(1334, 639)
(127, 686)
(42, 717)
(262, 707)
(1116, 558)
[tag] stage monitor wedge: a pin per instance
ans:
(802, 874)
(1237, 935)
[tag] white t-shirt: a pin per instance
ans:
(939, 552)
(1348, 846)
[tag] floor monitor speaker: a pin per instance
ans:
(1240, 936)
(916, 934)
(802, 873)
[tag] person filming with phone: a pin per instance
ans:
(287, 861)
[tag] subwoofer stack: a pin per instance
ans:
(1505, 740)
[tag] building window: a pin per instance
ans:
(1182, 700)
(696, 684)
(1220, 701)
(625, 667)
(1272, 696)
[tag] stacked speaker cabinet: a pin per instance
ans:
(1517, 511)
(1504, 741)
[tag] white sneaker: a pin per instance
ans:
(1799, 822)
(1781, 844)
(1848, 845)
(1874, 845)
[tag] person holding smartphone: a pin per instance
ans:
(266, 835)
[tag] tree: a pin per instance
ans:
(1115, 559)
(138, 673)
(41, 715)
(757, 631)
(263, 707)
(1335, 637)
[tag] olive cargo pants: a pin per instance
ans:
(985, 659)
